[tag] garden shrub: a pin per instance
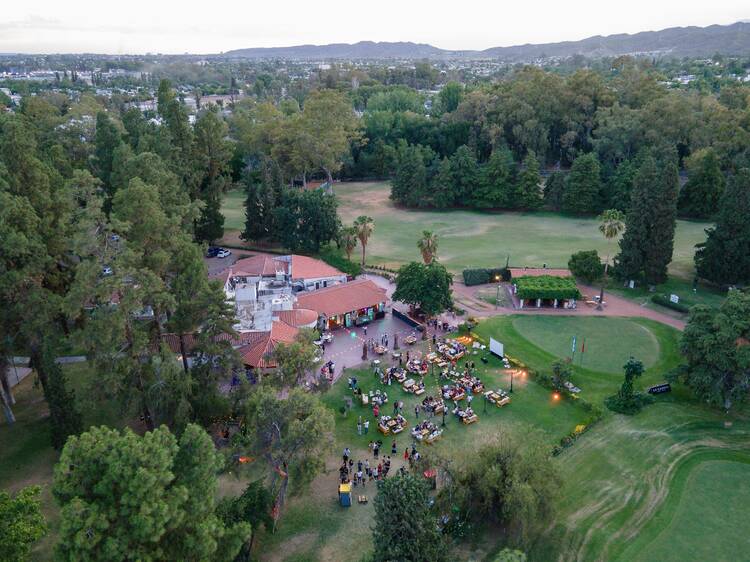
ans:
(340, 262)
(663, 300)
(480, 276)
(586, 265)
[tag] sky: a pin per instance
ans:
(192, 26)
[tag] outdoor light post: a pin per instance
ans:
(443, 414)
(511, 380)
(485, 403)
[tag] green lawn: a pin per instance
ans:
(234, 210)
(682, 287)
(625, 495)
(316, 528)
(477, 239)
(702, 514)
(550, 339)
(609, 342)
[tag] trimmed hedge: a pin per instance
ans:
(340, 262)
(546, 287)
(663, 300)
(480, 276)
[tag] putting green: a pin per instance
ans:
(609, 341)
(710, 521)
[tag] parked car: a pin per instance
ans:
(213, 251)
(114, 237)
(223, 253)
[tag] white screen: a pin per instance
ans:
(496, 347)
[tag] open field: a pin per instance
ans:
(473, 238)
(477, 239)
(485, 239)
(609, 342)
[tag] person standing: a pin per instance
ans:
(416, 411)
(367, 426)
(359, 426)
(365, 329)
(393, 449)
(376, 449)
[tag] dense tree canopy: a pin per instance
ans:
(405, 528)
(21, 523)
(425, 286)
(124, 496)
(724, 258)
(716, 351)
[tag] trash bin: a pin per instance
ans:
(345, 494)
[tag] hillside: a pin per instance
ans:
(731, 39)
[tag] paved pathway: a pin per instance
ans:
(615, 306)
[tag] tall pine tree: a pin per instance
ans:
(554, 188)
(699, 197)
(497, 180)
(725, 256)
(582, 191)
(409, 186)
(528, 192)
(647, 245)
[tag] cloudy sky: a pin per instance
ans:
(167, 26)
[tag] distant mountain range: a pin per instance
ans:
(731, 39)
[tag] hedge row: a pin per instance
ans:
(663, 300)
(546, 287)
(340, 262)
(480, 276)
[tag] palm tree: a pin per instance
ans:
(428, 245)
(611, 225)
(364, 226)
(348, 239)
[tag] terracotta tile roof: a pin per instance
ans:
(304, 267)
(298, 317)
(257, 352)
(342, 298)
(259, 265)
(537, 271)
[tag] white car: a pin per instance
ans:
(223, 253)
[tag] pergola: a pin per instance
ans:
(536, 289)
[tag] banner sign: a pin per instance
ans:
(660, 388)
